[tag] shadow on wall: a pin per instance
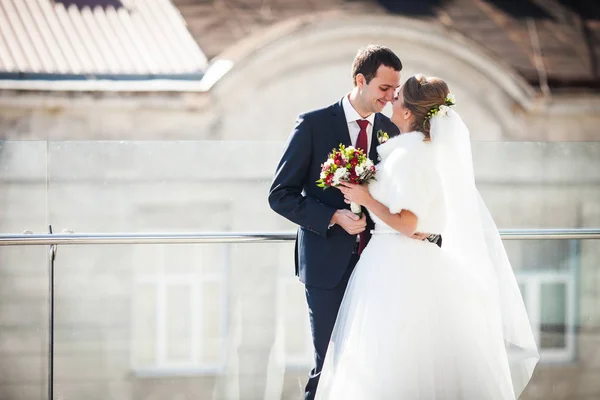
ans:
(587, 9)
(412, 8)
(518, 9)
(91, 3)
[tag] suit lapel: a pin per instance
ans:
(374, 143)
(340, 126)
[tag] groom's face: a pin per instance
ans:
(377, 93)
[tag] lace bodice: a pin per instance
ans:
(407, 178)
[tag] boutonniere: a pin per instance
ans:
(382, 136)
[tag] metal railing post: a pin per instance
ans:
(51, 258)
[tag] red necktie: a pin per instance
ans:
(363, 144)
(362, 141)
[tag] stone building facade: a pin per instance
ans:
(228, 321)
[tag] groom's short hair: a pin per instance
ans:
(370, 58)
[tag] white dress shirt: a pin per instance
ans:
(353, 128)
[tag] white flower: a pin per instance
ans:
(443, 110)
(338, 175)
(350, 148)
(382, 136)
(451, 98)
(368, 163)
(323, 175)
(359, 170)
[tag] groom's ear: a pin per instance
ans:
(360, 80)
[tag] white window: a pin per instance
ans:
(546, 272)
(179, 311)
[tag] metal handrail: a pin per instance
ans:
(242, 237)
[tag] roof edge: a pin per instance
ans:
(162, 84)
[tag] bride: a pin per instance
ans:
(417, 321)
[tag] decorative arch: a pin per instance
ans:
(304, 63)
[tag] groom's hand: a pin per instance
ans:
(420, 236)
(349, 221)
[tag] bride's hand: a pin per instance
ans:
(358, 194)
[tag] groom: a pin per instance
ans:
(330, 236)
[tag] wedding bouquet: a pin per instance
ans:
(346, 164)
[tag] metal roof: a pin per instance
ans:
(109, 39)
(556, 38)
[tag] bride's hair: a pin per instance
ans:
(421, 94)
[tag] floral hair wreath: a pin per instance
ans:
(441, 109)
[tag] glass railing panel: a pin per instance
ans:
(134, 186)
(162, 186)
(23, 322)
(23, 272)
(540, 185)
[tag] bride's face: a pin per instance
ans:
(401, 116)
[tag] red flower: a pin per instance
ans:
(338, 160)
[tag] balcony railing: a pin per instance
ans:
(69, 239)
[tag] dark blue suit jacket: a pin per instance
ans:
(322, 254)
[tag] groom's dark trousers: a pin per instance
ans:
(323, 306)
(324, 257)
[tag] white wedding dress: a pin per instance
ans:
(418, 322)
